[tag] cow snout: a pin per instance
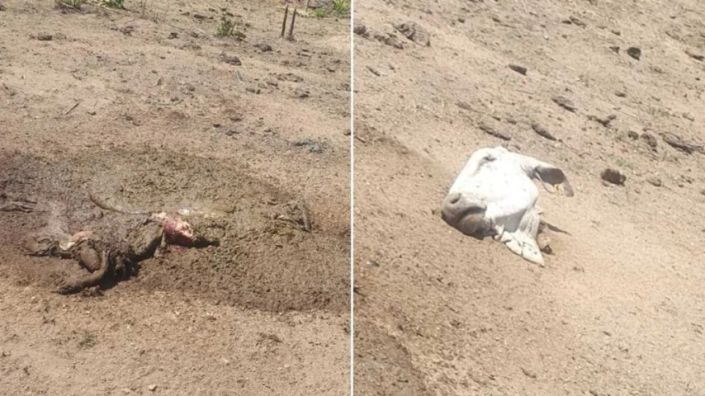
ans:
(464, 214)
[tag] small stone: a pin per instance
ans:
(615, 49)
(360, 30)
(654, 181)
(44, 37)
(173, 35)
(519, 69)
(678, 143)
(528, 373)
(230, 59)
(613, 176)
(414, 32)
(620, 94)
(650, 140)
(577, 21)
(564, 103)
(698, 57)
(633, 135)
(152, 388)
(301, 92)
(373, 71)
(634, 52)
(604, 121)
(312, 146)
(492, 132)
(541, 131)
(264, 47)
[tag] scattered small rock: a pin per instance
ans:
(615, 49)
(302, 93)
(613, 176)
(620, 94)
(173, 35)
(604, 121)
(575, 21)
(264, 47)
(695, 56)
(360, 30)
(519, 69)
(390, 40)
(564, 103)
(650, 140)
(464, 105)
(152, 388)
(528, 373)
(541, 131)
(491, 131)
(414, 32)
(633, 135)
(678, 143)
(654, 181)
(44, 37)
(312, 146)
(373, 71)
(2, 7)
(634, 52)
(230, 59)
(127, 30)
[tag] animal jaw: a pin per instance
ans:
(495, 195)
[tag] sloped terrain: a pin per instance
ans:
(163, 106)
(619, 308)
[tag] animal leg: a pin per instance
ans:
(92, 279)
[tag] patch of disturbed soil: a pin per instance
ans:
(265, 258)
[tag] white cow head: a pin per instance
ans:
(494, 195)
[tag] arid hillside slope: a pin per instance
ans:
(619, 308)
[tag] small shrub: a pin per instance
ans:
(114, 3)
(320, 12)
(75, 4)
(87, 340)
(226, 28)
(341, 7)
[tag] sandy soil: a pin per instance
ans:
(619, 308)
(147, 108)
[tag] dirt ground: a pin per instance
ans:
(619, 308)
(148, 109)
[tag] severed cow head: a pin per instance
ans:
(494, 195)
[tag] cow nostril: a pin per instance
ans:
(454, 198)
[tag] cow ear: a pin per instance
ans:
(546, 173)
(550, 174)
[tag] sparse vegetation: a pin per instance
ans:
(75, 4)
(341, 7)
(226, 28)
(114, 3)
(319, 12)
(87, 340)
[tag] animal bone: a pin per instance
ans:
(494, 195)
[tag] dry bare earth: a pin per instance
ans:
(148, 108)
(619, 308)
